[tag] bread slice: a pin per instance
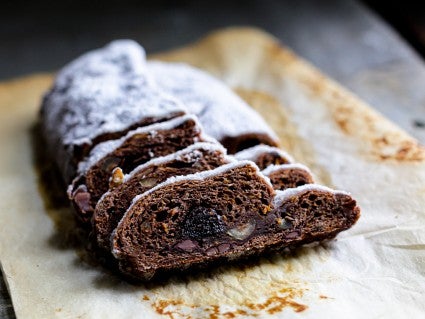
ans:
(128, 152)
(222, 215)
(264, 156)
(288, 175)
(184, 221)
(311, 213)
(113, 204)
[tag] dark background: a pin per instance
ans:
(43, 35)
(407, 17)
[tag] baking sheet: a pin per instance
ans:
(376, 269)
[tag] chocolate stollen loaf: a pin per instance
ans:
(128, 152)
(161, 196)
(220, 215)
(113, 204)
(222, 113)
(100, 96)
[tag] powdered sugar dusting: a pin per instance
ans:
(253, 153)
(208, 138)
(104, 91)
(104, 148)
(273, 168)
(282, 196)
(220, 110)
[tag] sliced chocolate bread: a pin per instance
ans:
(220, 215)
(128, 152)
(114, 203)
(101, 96)
(285, 176)
(264, 156)
(193, 220)
(222, 113)
(312, 213)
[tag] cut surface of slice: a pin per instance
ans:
(313, 212)
(223, 215)
(265, 155)
(288, 175)
(128, 152)
(193, 220)
(113, 204)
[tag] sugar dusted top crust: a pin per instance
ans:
(109, 89)
(104, 148)
(282, 196)
(104, 91)
(220, 110)
(273, 168)
(256, 151)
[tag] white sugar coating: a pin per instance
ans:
(282, 196)
(222, 112)
(192, 151)
(209, 139)
(273, 168)
(104, 91)
(104, 148)
(253, 153)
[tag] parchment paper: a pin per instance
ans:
(374, 270)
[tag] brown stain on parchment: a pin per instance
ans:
(383, 144)
(274, 304)
(381, 140)
(278, 301)
(378, 138)
(244, 290)
(278, 117)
